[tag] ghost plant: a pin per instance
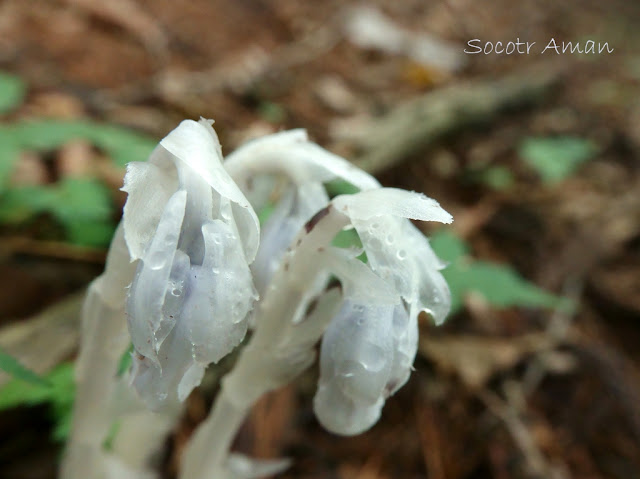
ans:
(185, 246)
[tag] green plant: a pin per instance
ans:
(554, 159)
(501, 285)
(55, 389)
(82, 206)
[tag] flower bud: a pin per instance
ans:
(194, 233)
(305, 167)
(366, 355)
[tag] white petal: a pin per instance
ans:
(162, 385)
(195, 144)
(399, 253)
(220, 296)
(150, 285)
(356, 360)
(242, 467)
(294, 209)
(340, 414)
(149, 187)
(292, 154)
(393, 202)
(405, 333)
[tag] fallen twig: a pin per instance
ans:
(415, 125)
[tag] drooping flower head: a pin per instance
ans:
(306, 168)
(369, 346)
(194, 234)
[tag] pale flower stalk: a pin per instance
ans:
(187, 234)
(371, 325)
(103, 341)
(181, 270)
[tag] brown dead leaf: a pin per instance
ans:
(41, 342)
(75, 159)
(476, 359)
(29, 171)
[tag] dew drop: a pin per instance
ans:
(374, 243)
(156, 260)
(401, 254)
(372, 358)
(390, 239)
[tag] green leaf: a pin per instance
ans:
(272, 112)
(340, 187)
(18, 204)
(265, 213)
(448, 246)
(121, 144)
(498, 178)
(126, 360)
(12, 91)
(500, 285)
(349, 239)
(554, 159)
(12, 366)
(58, 390)
(82, 206)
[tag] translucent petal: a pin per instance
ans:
(292, 154)
(151, 282)
(192, 290)
(399, 253)
(242, 467)
(221, 295)
(340, 414)
(149, 187)
(405, 334)
(292, 212)
(171, 379)
(356, 363)
(391, 202)
(195, 144)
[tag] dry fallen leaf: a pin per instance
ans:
(476, 359)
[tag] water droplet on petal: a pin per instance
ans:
(156, 260)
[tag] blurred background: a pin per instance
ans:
(535, 374)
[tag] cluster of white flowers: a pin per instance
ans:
(191, 231)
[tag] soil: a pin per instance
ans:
(566, 407)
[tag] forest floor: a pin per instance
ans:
(511, 392)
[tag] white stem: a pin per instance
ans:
(104, 339)
(273, 357)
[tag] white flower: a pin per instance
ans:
(194, 234)
(306, 167)
(369, 347)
